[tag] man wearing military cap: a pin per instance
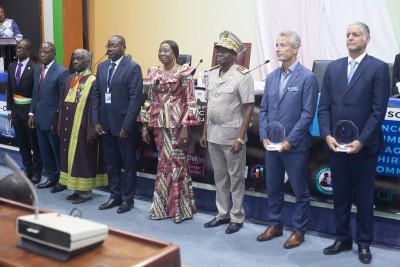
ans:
(230, 99)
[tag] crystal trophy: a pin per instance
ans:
(345, 132)
(276, 135)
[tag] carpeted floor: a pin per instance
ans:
(212, 247)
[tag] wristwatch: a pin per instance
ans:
(240, 141)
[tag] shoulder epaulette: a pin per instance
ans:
(242, 69)
(215, 67)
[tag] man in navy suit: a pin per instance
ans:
(116, 103)
(396, 76)
(19, 98)
(290, 99)
(48, 81)
(355, 88)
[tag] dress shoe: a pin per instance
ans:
(72, 196)
(125, 207)
(111, 203)
(233, 228)
(46, 184)
(271, 232)
(215, 222)
(80, 200)
(58, 188)
(338, 247)
(364, 254)
(36, 179)
(29, 175)
(294, 240)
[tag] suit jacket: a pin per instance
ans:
(45, 99)
(363, 101)
(396, 74)
(296, 108)
(24, 88)
(126, 97)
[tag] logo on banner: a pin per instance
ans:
(257, 171)
(323, 181)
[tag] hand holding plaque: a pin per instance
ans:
(276, 135)
(345, 132)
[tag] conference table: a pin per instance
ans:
(119, 249)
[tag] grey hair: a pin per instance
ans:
(363, 26)
(294, 38)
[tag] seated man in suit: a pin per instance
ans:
(290, 99)
(48, 81)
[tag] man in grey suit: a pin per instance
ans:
(230, 96)
(48, 81)
(290, 98)
(117, 99)
(19, 98)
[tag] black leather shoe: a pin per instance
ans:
(111, 203)
(46, 184)
(364, 254)
(58, 188)
(72, 196)
(233, 228)
(125, 207)
(29, 175)
(36, 179)
(338, 247)
(215, 222)
(80, 200)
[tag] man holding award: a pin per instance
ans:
(286, 112)
(352, 107)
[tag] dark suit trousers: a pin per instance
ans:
(120, 153)
(27, 140)
(49, 145)
(295, 164)
(353, 175)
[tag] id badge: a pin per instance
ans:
(108, 98)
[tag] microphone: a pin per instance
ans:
(98, 61)
(266, 62)
(194, 70)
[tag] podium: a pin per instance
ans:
(7, 50)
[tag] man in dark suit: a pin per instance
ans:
(116, 103)
(355, 88)
(396, 76)
(19, 97)
(290, 99)
(48, 81)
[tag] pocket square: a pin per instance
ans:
(293, 89)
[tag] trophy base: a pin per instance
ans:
(342, 148)
(274, 147)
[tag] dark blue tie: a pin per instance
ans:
(110, 73)
(18, 74)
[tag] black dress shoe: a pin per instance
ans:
(58, 188)
(72, 196)
(338, 247)
(125, 207)
(215, 222)
(364, 254)
(80, 200)
(111, 203)
(29, 175)
(36, 179)
(233, 228)
(46, 184)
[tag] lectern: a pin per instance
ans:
(7, 50)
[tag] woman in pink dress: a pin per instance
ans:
(169, 111)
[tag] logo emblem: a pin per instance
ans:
(323, 181)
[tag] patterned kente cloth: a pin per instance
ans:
(81, 162)
(171, 104)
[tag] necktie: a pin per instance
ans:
(353, 65)
(42, 74)
(110, 73)
(18, 74)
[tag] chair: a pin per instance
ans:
(71, 65)
(243, 58)
(319, 67)
(184, 59)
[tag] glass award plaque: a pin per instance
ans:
(345, 132)
(276, 135)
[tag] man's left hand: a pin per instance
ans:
(123, 133)
(236, 147)
(355, 147)
(285, 146)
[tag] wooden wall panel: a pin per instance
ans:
(72, 28)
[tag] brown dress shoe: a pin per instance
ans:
(80, 200)
(294, 240)
(271, 232)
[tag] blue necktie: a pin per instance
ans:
(18, 74)
(110, 73)
(353, 64)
